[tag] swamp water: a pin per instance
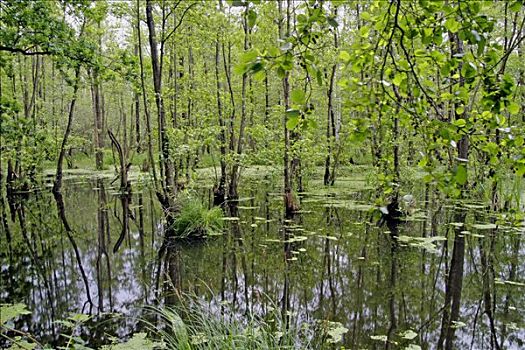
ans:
(331, 262)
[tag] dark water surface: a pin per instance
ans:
(331, 262)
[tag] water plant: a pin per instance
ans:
(194, 327)
(195, 220)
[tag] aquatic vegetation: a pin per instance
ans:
(195, 220)
(194, 325)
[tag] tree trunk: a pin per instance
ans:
(289, 201)
(234, 179)
(98, 120)
(168, 185)
(220, 189)
(57, 185)
(145, 101)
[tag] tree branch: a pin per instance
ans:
(25, 52)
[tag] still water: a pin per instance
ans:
(332, 261)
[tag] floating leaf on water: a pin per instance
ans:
(297, 239)
(472, 234)
(328, 237)
(303, 211)
(458, 324)
(426, 243)
(244, 199)
(511, 283)
(382, 338)
(412, 347)
(488, 226)
(474, 206)
(408, 334)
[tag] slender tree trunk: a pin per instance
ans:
(454, 282)
(227, 64)
(220, 190)
(330, 126)
(58, 177)
(98, 120)
(145, 102)
(169, 188)
(136, 101)
(289, 201)
(234, 179)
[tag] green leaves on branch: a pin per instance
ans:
(460, 174)
(297, 116)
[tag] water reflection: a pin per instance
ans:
(329, 262)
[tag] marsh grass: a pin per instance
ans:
(195, 220)
(196, 326)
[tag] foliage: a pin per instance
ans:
(195, 220)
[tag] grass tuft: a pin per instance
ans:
(195, 220)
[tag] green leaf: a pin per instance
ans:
(398, 79)
(366, 16)
(251, 18)
(298, 96)
(10, 311)
(516, 6)
(461, 174)
(513, 108)
(319, 77)
(452, 25)
(249, 56)
(344, 56)
(292, 122)
(240, 68)
(460, 123)
(333, 22)
(21, 344)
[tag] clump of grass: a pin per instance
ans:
(195, 327)
(195, 220)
